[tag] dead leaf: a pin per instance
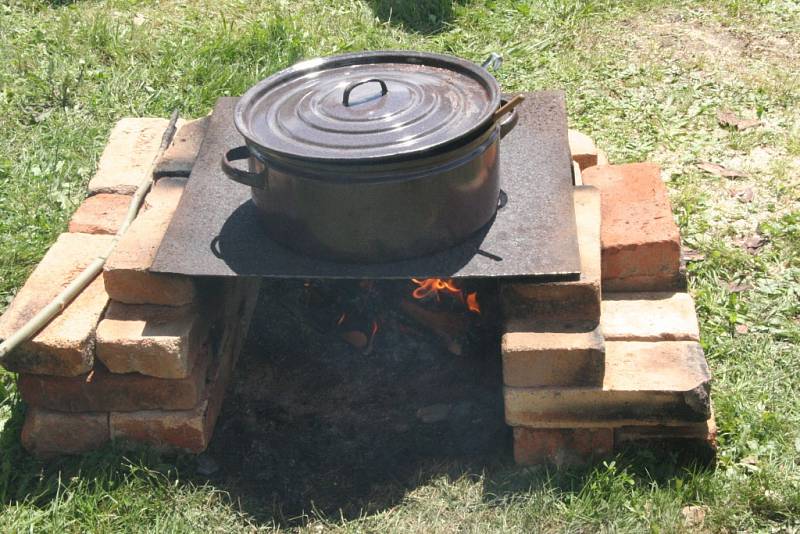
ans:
(742, 329)
(694, 516)
(735, 287)
(688, 254)
(729, 119)
(719, 170)
(743, 195)
(753, 244)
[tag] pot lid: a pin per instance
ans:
(368, 106)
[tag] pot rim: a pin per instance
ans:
(243, 117)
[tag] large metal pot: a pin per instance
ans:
(372, 157)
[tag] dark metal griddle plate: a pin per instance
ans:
(216, 230)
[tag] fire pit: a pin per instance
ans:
(146, 352)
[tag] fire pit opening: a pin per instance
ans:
(346, 385)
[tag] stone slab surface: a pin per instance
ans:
(568, 300)
(561, 356)
(130, 150)
(659, 316)
(158, 341)
(644, 383)
(127, 273)
(641, 242)
(561, 447)
(217, 229)
(100, 390)
(100, 214)
(66, 346)
(46, 434)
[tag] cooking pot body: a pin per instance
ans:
(379, 213)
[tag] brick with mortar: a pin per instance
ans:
(65, 347)
(126, 274)
(46, 434)
(662, 383)
(659, 316)
(100, 214)
(570, 301)
(641, 242)
(560, 446)
(161, 341)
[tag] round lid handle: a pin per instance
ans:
(349, 88)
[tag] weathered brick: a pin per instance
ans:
(126, 273)
(160, 341)
(179, 157)
(577, 179)
(191, 430)
(101, 390)
(661, 316)
(567, 301)
(641, 243)
(100, 214)
(705, 431)
(664, 383)
(46, 434)
(559, 355)
(131, 148)
(65, 347)
(583, 149)
(561, 446)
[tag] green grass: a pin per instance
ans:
(645, 79)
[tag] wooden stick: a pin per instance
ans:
(507, 107)
(49, 312)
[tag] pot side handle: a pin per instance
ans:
(253, 179)
(508, 123)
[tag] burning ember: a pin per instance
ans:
(434, 287)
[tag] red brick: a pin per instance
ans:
(191, 430)
(100, 214)
(103, 391)
(569, 301)
(179, 157)
(65, 347)
(641, 243)
(131, 148)
(126, 275)
(583, 149)
(662, 383)
(561, 447)
(560, 356)
(160, 341)
(46, 434)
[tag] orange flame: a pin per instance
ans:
(472, 303)
(431, 287)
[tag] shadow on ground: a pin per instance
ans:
(417, 16)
